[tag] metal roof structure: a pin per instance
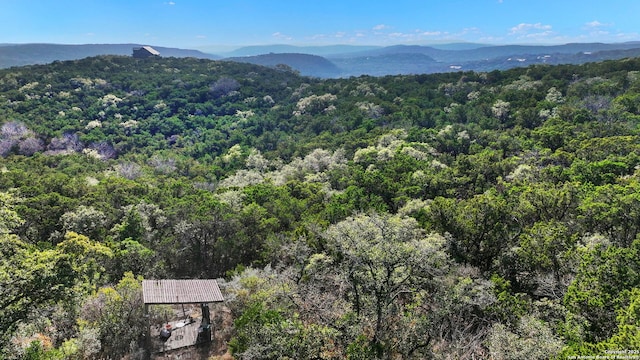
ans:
(151, 50)
(145, 52)
(155, 292)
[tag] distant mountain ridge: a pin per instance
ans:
(310, 65)
(327, 50)
(414, 59)
(346, 60)
(29, 54)
(389, 64)
(491, 52)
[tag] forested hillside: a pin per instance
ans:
(448, 216)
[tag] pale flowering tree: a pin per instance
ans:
(30, 146)
(387, 261)
(93, 124)
(386, 148)
(15, 130)
(413, 206)
(315, 104)
(312, 168)
(500, 109)
(554, 95)
(256, 161)
(244, 114)
(141, 222)
(545, 114)
(380, 288)
(415, 153)
(6, 146)
(85, 220)
(372, 110)
(242, 178)
(533, 339)
(104, 150)
(524, 83)
(268, 99)
(320, 160)
(233, 154)
(163, 165)
(365, 154)
(368, 90)
(110, 100)
(224, 86)
(15, 136)
(474, 95)
(67, 143)
(233, 198)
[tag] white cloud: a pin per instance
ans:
(280, 36)
(537, 32)
(318, 37)
(391, 36)
(597, 30)
(596, 25)
(539, 35)
(524, 28)
(627, 36)
(469, 30)
(381, 27)
(417, 36)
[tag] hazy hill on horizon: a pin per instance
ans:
(324, 50)
(306, 64)
(31, 54)
(462, 54)
(420, 59)
(334, 61)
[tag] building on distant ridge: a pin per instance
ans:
(145, 52)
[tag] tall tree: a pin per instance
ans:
(31, 278)
(388, 262)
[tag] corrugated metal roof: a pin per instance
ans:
(180, 291)
(151, 50)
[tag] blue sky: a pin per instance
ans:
(210, 24)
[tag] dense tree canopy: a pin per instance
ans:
(456, 215)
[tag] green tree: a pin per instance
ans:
(85, 220)
(628, 334)
(482, 227)
(386, 260)
(547, 248)
(613, 210)
(31, 278)
(532, 339)
(117, 313)
(267, 325)
(604, 279)
(9, 218)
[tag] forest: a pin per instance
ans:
(459, 215)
